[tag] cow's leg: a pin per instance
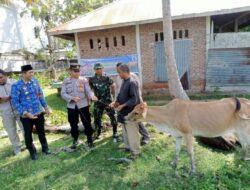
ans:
(243, 137)
(190, 148)
(244, 152)
(178, 141)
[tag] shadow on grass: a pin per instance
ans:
(63, 170)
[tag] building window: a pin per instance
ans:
(99, 44)
(180, 34)
(91, 44)
(107, 42)
(175, 35)
(115, 41)
(156, 37)
(186, 34)
(123, 41)
(162, 36)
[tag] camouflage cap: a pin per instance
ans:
(98, 66)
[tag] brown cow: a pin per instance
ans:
(185, 119)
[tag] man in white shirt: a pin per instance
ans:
(8, 114)
(118, 83)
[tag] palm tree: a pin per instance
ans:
(175, 88)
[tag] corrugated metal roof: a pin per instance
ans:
(131, 12)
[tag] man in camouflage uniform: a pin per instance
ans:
(103, 85)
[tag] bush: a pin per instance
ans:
(63, 76)
(15, 76)
(43, 78)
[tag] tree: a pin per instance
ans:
(50, 13)
(175, 87)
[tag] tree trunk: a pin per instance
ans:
(51, 60)
(174, 84)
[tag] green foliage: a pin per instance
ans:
(43, 78)
(15, 76)
(78, 7)
(41, 56)
(70, 54)
(50, 13)
(245, 29)
(63, 76)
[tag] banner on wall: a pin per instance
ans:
(109, 63)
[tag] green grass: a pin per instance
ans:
(85, 170)
(58, 105)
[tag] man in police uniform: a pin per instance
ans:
(7, 112)
(102, 86)
(77, 93)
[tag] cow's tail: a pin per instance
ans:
(237, 109)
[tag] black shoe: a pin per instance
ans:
(144, 142)
(74, 144)
(47, 151)
(33, 156)
(91, 145)
(115, 138)
(124, 149)
(98, 134)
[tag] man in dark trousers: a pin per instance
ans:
(127, 99)
(77, 93)
(103, 86)
(28, 99)
(118, 82)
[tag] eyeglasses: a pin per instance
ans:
(76, 71)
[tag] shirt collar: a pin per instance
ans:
(32, 80)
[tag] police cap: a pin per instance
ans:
(74, 66)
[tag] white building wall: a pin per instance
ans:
(10, 36)
(231, 40)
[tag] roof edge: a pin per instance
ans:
(178, 17)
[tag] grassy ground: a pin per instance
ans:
(86, 170)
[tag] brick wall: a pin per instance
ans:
(197, 32)
(196, 29)
(129, 48)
